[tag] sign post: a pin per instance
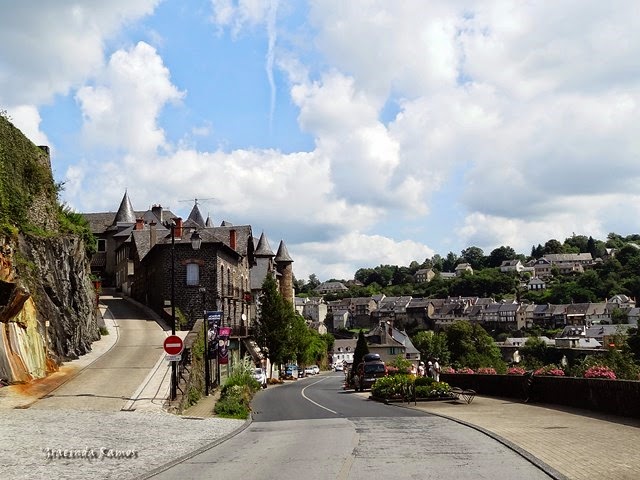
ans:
(173, 345)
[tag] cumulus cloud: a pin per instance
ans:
(123, 109)
(527, 113)
(49, 48)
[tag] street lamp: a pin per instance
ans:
(174, 367)
(196, 242)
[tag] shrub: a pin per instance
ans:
(423, 381)
(599, 371)
(391, 386)
(550, 370)
(516, 371)
(465, 370)
(435, 389)
(447, 369)
(487, 371)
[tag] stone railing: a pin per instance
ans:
(617, 397)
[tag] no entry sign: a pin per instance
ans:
(173, 345)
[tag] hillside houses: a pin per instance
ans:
(439, 313)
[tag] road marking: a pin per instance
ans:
(316, 403)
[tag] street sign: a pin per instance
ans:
(173, 358)
(173, 345)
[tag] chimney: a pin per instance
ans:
(178, 228)
(157, 211)
(139, 223)
(153, 234)
(232, 239)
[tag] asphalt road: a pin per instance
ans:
(109, 382)
(312, 429)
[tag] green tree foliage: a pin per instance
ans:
(553, 246)
(471, 346)
(474, 256)
(432, 344)
(450, 262)
(273, 324)
(361, 350)
(499, 255)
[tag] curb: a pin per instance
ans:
(197, 451)
(549, 470)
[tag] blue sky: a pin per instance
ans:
(361, 133)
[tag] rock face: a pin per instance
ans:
(48, 310)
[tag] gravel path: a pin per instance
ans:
(122, 445)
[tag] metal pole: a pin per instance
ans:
(174, 365)
(206, 344)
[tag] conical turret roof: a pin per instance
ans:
(283, 255)
(196, 216)
(209, 222)
(125, 213)
(263, 249)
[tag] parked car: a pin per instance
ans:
(291, 371)
(316, 369)
(309, 371)
(261, 376)
(338, 367)
(367, 374)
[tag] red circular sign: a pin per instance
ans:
(173, 345)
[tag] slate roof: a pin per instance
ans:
(283, 255)
(263, 249)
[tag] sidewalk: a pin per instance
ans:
(577, 444)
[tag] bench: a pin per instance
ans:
(465, 394)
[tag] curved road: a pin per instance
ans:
(109, 382)
(312, 429)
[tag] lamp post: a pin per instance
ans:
(174, 367)
(196, 242)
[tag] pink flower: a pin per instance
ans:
(550, 370)
(486, 371)
(516, 371)
(600, 371)
(447, 370)
(466, 370)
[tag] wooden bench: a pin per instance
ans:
(465, 394)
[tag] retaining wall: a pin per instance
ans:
(618, 397)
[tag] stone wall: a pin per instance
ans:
(617, 397)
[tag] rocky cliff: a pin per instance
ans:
(48, 310)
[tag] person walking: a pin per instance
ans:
(421, 369)
(430, 369)
(436, 370)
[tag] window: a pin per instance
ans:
(102, 245)
(193, 274)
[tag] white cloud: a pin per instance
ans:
(48, 48)
(122, 110)
(27, 119)
(336, 259)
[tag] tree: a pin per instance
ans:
(499, 255)
(358, 354)
(474, 256)
(432, 344)
(272, 324)
(449, 263)
(552, 246)
(471, 346)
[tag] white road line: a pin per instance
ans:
(316, 403)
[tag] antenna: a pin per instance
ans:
(196, 200)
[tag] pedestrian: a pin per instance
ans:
(436, 370)
(430, 369)
(413, 370)
(421, 369)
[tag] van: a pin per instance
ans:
(368, 373)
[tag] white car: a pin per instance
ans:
(316, 369)
(309, 371)
(338, 367)
(261, 376)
